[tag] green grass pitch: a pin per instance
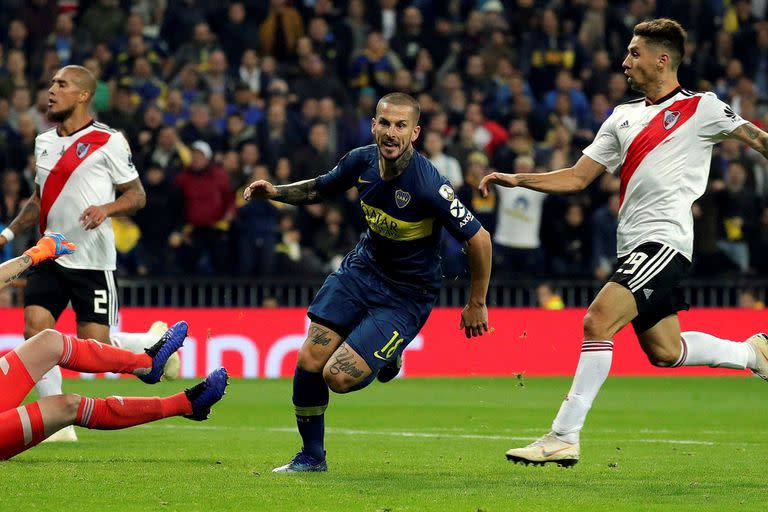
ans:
(417, 445)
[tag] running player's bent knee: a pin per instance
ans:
(663, 357)
(309, 362)
(339, 382)
(595, 327)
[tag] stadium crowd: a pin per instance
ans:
(212, 95)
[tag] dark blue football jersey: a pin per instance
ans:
(405, 216)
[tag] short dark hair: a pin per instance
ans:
(667, 33)
(400, 98)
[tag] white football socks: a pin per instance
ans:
(702, 349)
(136, 342)
(50, 383)
(594, 366)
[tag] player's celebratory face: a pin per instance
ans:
(393, 130)
(641, 66)
(62, 97)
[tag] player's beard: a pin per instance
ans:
(60, 116)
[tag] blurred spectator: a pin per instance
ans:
(198, 50)
(238, 133)
(130, 259)
(446, 165)
(275, 138)
(412, 37)
(484, 208)
(334, 240)
(215, 75)
(516, 243)
(62, 40)
(748, 299)
(316, 82)
(257, 231)
(168, 152)
(292, 258)
(488, 133)
(383, 18)
(281, 30)
(14, 73)
(24, 144)
(160, 222)
(250, 73)
(208, 210)
(199, 127)
(547, 298)
(549, 51)
(738, 212)
(570, 250)
(375, 66)
(237, 34)
(315, 159)
(102, 20)
(356, 23)
(605, 222)
(124, 113)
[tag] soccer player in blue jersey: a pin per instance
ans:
(368, 311)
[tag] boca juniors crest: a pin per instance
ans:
(670, 118)
(82, 149)
(402, 198)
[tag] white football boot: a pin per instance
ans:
(759, 343)
(546, 449)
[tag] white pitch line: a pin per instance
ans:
(431, 435)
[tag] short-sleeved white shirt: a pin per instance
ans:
(92, 183)
(519, 217)
(661, 152)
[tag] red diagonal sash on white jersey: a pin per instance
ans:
(660, 127)
(75, 154)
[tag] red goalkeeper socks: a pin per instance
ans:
(93, 357)
(117, 412)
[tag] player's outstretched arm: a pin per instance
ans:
(49, 247)
(752, 136)
(562, 181)
(300, 192)
(474, 317)
(27, 217)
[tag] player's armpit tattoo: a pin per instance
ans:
(344, 363)
(302, 192)
(319, 335)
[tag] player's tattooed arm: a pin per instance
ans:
(753, 137)
(28, 216)
(132, 198)
(301, 192)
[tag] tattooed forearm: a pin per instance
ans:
(301, 192)
(756, 138)
(12, 269)
(319, 335)
(27, 217)
(344, 363)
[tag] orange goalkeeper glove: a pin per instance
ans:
(50, 247)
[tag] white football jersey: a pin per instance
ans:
(661, 152)
(98, 167)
